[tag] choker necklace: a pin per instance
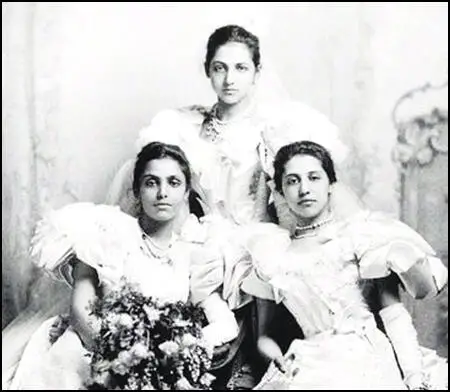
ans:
(309, 230)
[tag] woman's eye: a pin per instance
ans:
(218, 68)
(242, 68)
(175, 183)
(150, 183)
(315, 178)
(291, 181)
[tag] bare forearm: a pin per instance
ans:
(83, 321)
(83, 296)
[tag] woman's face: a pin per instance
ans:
(306, 188)
(232, 72)
(163, 189)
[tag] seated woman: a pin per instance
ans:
(230, 145)
(95, 247)
(319, 270)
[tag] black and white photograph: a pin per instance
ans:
(225, 196)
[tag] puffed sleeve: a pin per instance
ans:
(167, 127)
(206, 266)
(295, 121)
(384, 245)
(225, 242)
(266, 244)
(94, 234)
(206, 273)
(180, 127)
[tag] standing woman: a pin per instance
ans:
(230, 146)
(231, 143)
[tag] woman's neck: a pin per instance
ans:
(226, 112)
(161, 231)
(317, 221)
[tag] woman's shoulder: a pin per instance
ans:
(291, 121)
(179, 126)
(383, 244)
(90, 232)
(380, 227)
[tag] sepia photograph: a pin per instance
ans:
(224, 196)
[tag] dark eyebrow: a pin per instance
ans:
(218, 62)
(151, 176)
(310, 172)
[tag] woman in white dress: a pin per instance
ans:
(95, 247)
(319, 271)
(230, 146)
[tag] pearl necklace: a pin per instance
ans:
(309, 230)
(155, 250)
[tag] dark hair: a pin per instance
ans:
(231, 33)
(315, 150)
(158, 150)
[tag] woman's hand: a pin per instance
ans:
(270, 351)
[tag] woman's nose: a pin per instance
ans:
(162, 191)
(230, 77)
(304, 188)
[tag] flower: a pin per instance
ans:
(119, 367)
(188, 340)
(152, 313)
(124, 320)
(144, 344)
(140, 351)
(169, 348)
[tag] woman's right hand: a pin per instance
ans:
(270, 351)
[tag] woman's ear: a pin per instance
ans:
(206, 67)
(257, 73)
(137, 206)
(330, 189)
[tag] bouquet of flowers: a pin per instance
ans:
(145, 344)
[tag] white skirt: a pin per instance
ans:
(337, 362)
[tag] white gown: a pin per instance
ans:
(320, 286)
(231, 165)
(111, 242)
